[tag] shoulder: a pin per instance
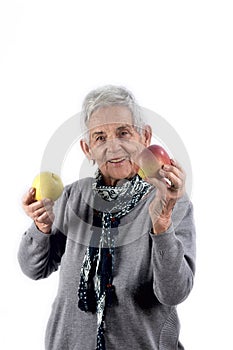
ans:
(76, 196)
(79, 192)
(79, 186)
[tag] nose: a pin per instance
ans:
(114, 145)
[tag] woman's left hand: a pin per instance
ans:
(166, 196)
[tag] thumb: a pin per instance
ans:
(29, 196)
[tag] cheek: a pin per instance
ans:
(97, 154)
(133, 148)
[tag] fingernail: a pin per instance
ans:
(32, 190)
(165, 167)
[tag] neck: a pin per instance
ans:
(107, 181)
(113, 182)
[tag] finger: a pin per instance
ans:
(32, 208)
(29, 197)
(177, 165)
(175, 176)
(45, 203)
(37, 208)
(39, 212)
(46, 218)
(176, 169)
(175, 181)
(171, 168)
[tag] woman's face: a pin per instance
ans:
(114, 143)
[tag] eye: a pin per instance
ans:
(124, 133)
(100, 138)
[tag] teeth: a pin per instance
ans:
(116, 160)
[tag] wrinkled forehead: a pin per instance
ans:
(112, 115)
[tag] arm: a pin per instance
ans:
(40, 252)
(173, 257)
(173, 236)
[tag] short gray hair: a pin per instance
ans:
(106, 96)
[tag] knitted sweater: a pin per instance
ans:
(152, 274)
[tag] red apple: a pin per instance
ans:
(151, 160)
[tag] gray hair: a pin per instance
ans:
(106, 96)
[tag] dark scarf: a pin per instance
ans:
(96, 289)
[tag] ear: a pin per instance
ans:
(86, 149)
(147, 135)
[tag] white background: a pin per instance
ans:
(176, 57)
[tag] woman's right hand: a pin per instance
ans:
(39, 211)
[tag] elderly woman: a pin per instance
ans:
(125, 246)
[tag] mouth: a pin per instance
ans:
(116, 160)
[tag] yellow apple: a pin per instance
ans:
(47, 185)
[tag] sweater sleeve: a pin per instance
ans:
(40, 254)
(173, 257)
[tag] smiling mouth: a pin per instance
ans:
(117, 160)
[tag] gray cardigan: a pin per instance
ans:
(152, 274)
